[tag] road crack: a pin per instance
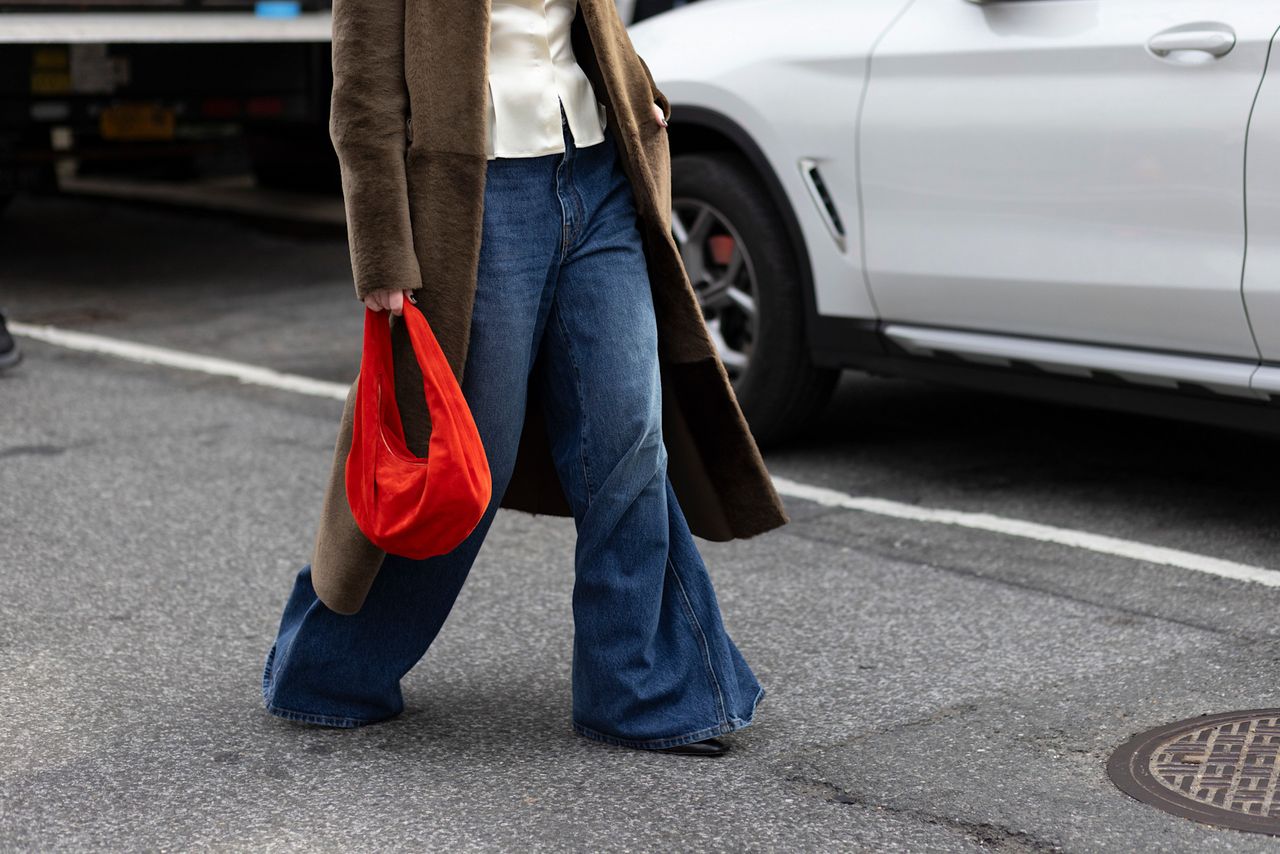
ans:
(984, 834)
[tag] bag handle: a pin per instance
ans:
(452, 426)
(450, 416)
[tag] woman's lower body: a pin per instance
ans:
(563, 293)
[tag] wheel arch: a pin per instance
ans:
(701, 130)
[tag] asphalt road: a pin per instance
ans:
(931, 688)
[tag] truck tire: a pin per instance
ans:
(300, 159)
(777, 384)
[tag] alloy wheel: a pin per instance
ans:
(723, 276)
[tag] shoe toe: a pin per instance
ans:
(706, 747)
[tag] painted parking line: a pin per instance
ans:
(1032, 531)
(1084, 540)
(149, 354)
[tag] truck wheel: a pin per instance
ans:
(745, 274)
(299, 159)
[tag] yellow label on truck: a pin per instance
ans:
(50, 71)
(136, 121)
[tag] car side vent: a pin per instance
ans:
(822, 198)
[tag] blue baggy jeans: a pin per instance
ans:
(563, 291)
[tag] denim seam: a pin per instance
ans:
(266, 671)
(570, 223)
(561, 169)
(285, 652)
(702, 639)
(579, 217)
(755, 701)
(582, 425)
(570, 234)
(580, 207)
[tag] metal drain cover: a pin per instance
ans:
(1217, 769)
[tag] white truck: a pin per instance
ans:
(115, 84)
(163, 82)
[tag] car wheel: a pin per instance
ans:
(744, 272)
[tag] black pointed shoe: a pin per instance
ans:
(706, 747)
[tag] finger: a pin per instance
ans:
(395, 301)
(657, 114)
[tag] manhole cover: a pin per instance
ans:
(1217, 769)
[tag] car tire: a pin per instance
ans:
(779, 388)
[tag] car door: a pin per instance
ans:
(1065, 169)
(1262, 192)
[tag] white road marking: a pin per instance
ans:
(1032, 531)
(149, 354)
(1084, 540)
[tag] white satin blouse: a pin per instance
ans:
(531, 69)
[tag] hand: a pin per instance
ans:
(657, 114)
(389, 299)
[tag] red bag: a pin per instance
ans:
(408, 505)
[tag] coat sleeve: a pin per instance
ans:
(659, 98)
(368, 124)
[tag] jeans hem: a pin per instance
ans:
(740, 723)
(732, 725)
(340, 721)
(322, 720)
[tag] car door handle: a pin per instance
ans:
(1211, 41)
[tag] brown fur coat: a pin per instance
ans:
(408, 122)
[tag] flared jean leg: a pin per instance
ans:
(563, 277)
(345, 669)
(652, 663)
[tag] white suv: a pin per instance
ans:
(1047, 197)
